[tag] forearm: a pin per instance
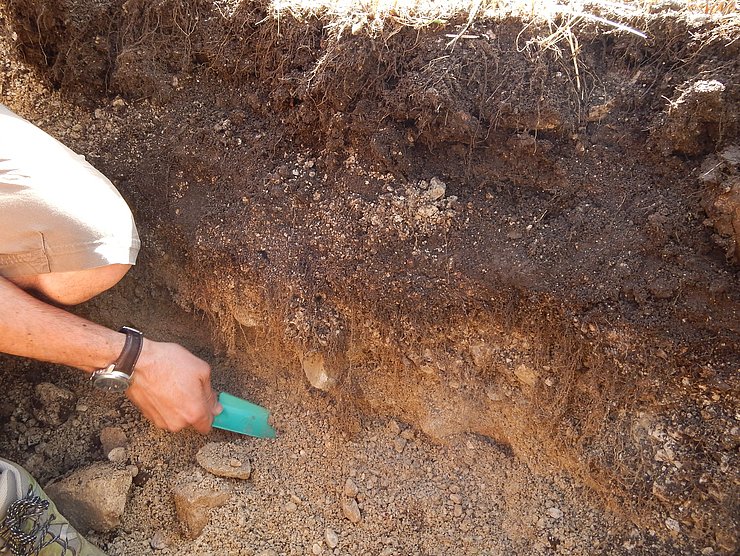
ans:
(171, 386)
(31, 328)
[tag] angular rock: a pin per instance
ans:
(350, 488)
(437, 189)
(93, 497)
(112, 438)
(193, 503)
(351, 510)
(53, 405)
(225, 459)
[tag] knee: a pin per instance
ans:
(77, 286)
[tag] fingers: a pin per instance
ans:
(216, 407)
(210, 410)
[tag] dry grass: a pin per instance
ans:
(359, 14)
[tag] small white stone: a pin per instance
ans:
(554, 512)
(291, 507)
(331, 538)
(316, 549)
(118, 455)
(672, 525)
(158, 540)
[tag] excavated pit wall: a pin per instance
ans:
(470, 237)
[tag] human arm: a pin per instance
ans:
(171, 386)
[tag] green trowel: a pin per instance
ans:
(243, 417)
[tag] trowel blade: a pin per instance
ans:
(243, 417)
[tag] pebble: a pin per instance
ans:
(408, 434)
(456, 498)
(118, 455)
(393, 428)
(295, 499)
(331, 538)
(225, 459)
(454, 489)
(111, 438)
(268, 552)
(458, 511)
(316, 549)
(672, 525)
(351, 510)
(53, 404)
(399, 443)
(437, 189)
(159, 541)
(554, 512)
(291, 507)
(350, 488)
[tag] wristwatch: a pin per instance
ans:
(117, 376)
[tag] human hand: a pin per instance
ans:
(172, 388)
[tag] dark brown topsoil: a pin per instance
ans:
(469, 237)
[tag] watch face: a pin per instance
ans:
(111, 383)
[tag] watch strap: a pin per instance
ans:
(131, 351)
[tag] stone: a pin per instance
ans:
(193, 503)
(111, 438)
(159, 540)
(408, 434)
(351, 510)
(317, 372)
(93, 497)
(317, 549)
(554, 512)
(225, 459)
(437, 189)
(350, 488)
(525, 374)
(118, 455)
(672, 525)
(458, 510)
(331, 538)
(393, 428)
(53, 405)
(268, 552)
(291, 506)
(399, 443)
(456, 498)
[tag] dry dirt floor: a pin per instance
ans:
(488, 270)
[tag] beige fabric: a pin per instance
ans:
(57, 212)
